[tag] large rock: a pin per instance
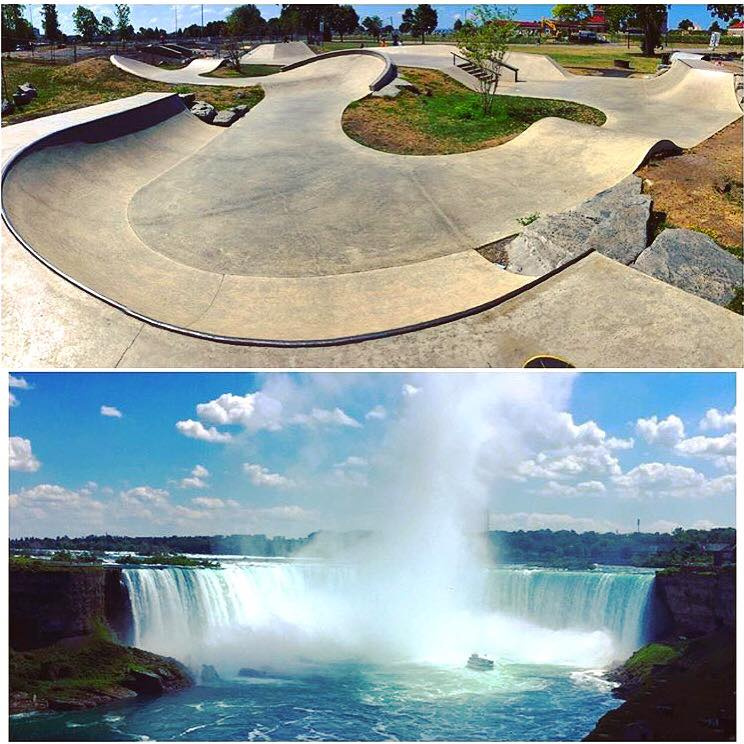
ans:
(144, 682)
(614, 222)
(241, 109)
(8, 107)
(693, 262)
(29, 90)
(225, 118)
(204, 111)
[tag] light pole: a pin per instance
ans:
(175, 30)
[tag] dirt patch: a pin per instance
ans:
(701, 189)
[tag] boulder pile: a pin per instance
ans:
(616, 223)
(209, 114)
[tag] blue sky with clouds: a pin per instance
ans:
(219, 453)
(164, 15)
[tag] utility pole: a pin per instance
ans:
(175, 30)
(202, 21)
(638, 525)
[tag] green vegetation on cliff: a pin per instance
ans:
(679, 692)
(26, 563)
(167, 559)
(83, 672)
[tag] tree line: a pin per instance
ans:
(542, 547)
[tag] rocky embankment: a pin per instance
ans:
(65, 654)
(682, 687)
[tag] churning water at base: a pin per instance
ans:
(329, 660)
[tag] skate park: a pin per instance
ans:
(280, 238)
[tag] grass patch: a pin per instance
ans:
(653, 654)
(167, 559)
(92, 81)
(599, 56)
(26, 563)
(245, 71)
(446, 117)
(66, 671)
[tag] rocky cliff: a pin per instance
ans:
(50, 603)
(699, 601)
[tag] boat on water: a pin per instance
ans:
(480, 663)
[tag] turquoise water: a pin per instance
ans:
(343, 702)
(349, 655)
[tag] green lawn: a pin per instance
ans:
(446, 117)
(66, 87)
(245, 71)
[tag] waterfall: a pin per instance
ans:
(616, 601)
(262, 613)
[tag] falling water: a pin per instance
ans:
(269, 613)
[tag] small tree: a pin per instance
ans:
(344, 20)
(50, 21)
(85, 22)
(373, 26)
(483, 42)
(457, 25)
(122, 13)
(106, 27)
(686, 24)
(570, 13)
(651, 19)
(420, 21)
(727, 12)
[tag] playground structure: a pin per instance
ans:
(281, 231)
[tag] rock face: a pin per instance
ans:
(204, 111)
(692, 261)
(698, 602)
(614, 222)
(47, 606)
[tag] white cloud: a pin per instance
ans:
(145, 495)
(261, 476)
(12, 400)
(111, 411)
(18, 382)
(197, 479)
(665, 480)
(197, 430)
(50, 496)
(540, 521)
(409, 390)
(715, 420)
(209, 503)
(334, 417)
(253, 411)
(666, 432)
(20, 455)
(585, 488)
(378, 412)
(701, 446)
(352, 462)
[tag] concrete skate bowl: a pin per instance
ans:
(281, 230)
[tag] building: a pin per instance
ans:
(736, 28)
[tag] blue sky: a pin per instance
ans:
(220, 453)
(164, 15)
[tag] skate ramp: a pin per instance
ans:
(282, 230)
(282, 53)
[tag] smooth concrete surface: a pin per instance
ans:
(283, 53)
(283, 228)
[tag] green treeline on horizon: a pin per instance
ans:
(556, 548)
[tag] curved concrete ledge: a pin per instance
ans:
(386, 76)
